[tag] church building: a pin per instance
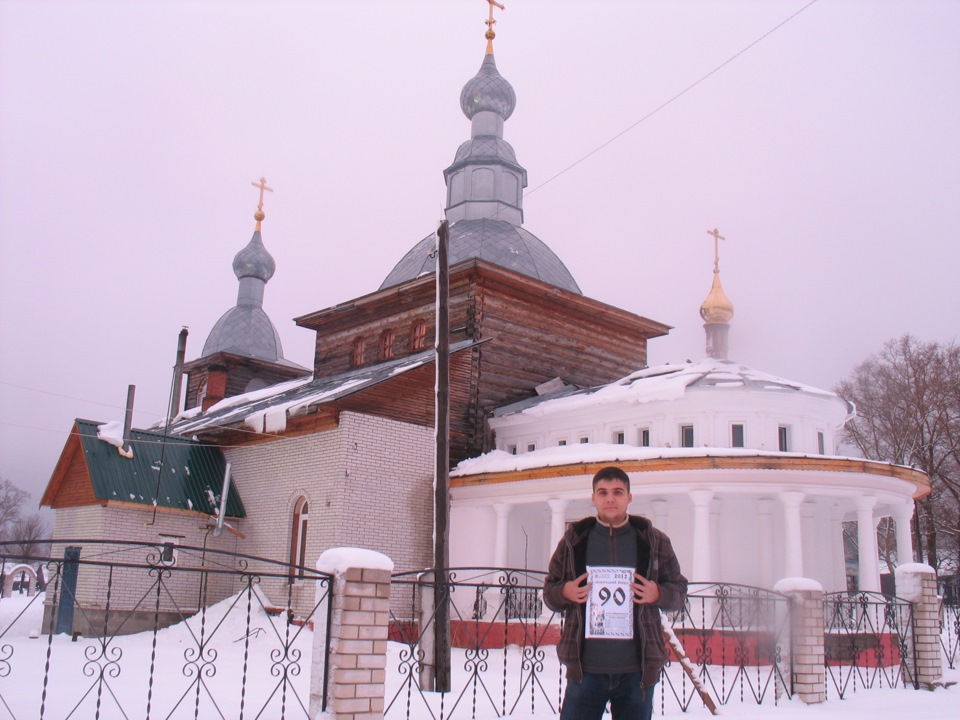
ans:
(342, 454)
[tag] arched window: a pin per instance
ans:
(356, 356)
(298, 537)
(418, 335)
(386, 344)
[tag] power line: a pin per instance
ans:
(671, 100)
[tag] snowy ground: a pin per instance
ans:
(22, 662)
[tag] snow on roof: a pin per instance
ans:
(267, 409)
(661, 383)
(497, 461)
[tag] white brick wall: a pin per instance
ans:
(369, 484)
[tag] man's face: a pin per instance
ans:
(611, 498)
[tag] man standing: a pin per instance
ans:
(619, 662)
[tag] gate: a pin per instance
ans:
(154, 630)
(868, 641)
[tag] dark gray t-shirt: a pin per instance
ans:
(612, 547)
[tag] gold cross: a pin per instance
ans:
(490, 22)
(263, 186)
(716, 248)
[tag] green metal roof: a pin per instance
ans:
(190, 473)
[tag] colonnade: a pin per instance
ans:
(798, 533)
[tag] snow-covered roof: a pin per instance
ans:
(499, 461)
(661, 383)
(268, 409)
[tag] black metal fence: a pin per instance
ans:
(499, 631)
(738, 639)
(503, 638)
(868, 641)
(949, 588)
(140, 630)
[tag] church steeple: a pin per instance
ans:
(485, 179)
(716, 310)
(485, 192)
(245, 329)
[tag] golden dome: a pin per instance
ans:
(717, 308)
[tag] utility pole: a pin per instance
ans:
(442, 471)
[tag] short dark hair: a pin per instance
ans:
(611, 472)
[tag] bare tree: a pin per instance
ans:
(908, 412)
(11, 500)
(26, 534)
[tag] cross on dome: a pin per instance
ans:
(259, 214)
(490, 22)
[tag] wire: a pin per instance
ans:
(671, 100)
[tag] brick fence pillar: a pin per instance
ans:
(917, 583)
(358, 636)
(809, 671)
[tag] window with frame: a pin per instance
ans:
(736, 435)
(512, 449)
(645, 437)
(584, 440)
(356, 354)
(561, 443)
(298, 537)
(821, 443)
(686, 436)
(168, 549)
(418, 335)
(783, 438)
(531, 447)
(386, 344)
(619, 437)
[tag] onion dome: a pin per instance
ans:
(488, 90)
(254, 261)
(717, 308)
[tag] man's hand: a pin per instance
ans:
(645, 592)
(576, 591)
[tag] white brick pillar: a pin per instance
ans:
(918, 584)
(358, 636)
(809, 671)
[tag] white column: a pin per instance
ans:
(702, 570)
(812, 559)
(765, 542)
(500, 534)
(902, 516)
(558, 523)
(660, 511)
(838, 559)
(792, 536)
(869, 555)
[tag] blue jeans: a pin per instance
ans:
(586, 700)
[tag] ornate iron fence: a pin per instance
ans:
(949, 588)
(129, 629)
(497, 621)
(738, 639)
(868, 641)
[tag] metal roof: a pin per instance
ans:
(190, 474)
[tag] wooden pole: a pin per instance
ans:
(442, 469)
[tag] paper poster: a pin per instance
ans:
(610, 603)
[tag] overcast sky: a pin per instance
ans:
(828, 155)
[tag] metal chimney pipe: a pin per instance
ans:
(178, 375)
(128, 422)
